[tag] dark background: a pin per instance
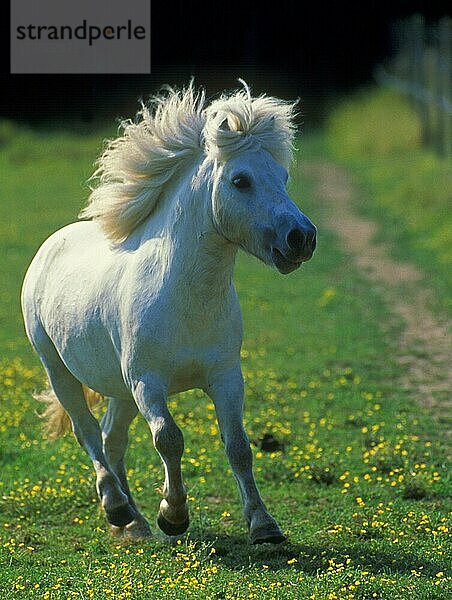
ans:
(322, 50)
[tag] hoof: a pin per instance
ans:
(267, 536)
(137, 530)
(172, 528)
(121, 516)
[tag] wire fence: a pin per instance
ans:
(422, 69)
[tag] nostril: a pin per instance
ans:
(295, 239)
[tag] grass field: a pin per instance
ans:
(359, 482)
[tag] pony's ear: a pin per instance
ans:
(224, 125)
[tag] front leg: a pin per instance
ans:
(226, 391)
(150, 396)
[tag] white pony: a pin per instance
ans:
(137, 302)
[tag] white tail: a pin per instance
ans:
(57, 421)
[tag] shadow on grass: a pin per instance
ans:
(236, 552)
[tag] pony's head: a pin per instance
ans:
(250, 143)
(242, 145)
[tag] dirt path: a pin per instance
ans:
(425, 345)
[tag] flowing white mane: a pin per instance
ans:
(171, 132)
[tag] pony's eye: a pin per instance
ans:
(241, 182)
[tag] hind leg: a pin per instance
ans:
(115, 427)
(87, 431)
(69, 392)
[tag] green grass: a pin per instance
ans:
(360, 484)
(376, 134)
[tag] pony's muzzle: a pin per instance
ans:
(295, 248)
(301, 242)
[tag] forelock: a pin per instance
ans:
(237, 122)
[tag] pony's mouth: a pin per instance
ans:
(282, 263)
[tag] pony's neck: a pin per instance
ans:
(200, 261)
(204, 275)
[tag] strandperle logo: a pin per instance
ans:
(87, 36)
(91, 33)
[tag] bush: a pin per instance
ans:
(373, 123)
